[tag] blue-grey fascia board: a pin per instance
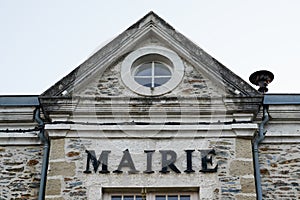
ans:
(282, 99)
(19, 101)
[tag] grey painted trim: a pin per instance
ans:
(19, 100)
(282, 99)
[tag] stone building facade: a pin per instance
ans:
(279, 154)
(149, 116)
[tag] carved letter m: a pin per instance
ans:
(103, 159)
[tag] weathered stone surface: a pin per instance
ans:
(228, 186)
(73, 154)
(248, 185)
(55, 198)
(53, 187)
(280, 170)
(62, 168)
(57, 150)
(32, 162)
(243, 148)
(19, 172)
(243, 197)
(193, 83)
(241, 168)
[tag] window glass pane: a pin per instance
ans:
(160, 81)
(160, 197)
(144, 81)
(157, 197)
(116, 197)
(184, 197)
(172, 197)
(144, 70)
(128, 198)
(161, 70)
(138, 198)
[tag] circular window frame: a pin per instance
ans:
(176, 65)
(153, 75)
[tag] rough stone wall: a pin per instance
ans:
(195, 83)
(20, 168)
(236, 175)
(234, 179)
(110, 85)
(280, 171)
(65, 178)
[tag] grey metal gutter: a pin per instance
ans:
(269, 99)
(257, 140)
(19, 100)
(46, 141)
(32, 101)
(281, 99)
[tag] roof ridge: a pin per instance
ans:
(151, 13)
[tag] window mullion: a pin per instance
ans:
(150, 196)
(152, 81)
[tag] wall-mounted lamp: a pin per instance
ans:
(262, 78)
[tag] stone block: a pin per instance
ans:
(53, 187)
(241, 168)
(57, 149)
(248, 185)
(243, 148)
(62, 168)
(55, 198)
(243, 197)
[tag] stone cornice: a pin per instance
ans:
(174, 105)
(19, 139)
(244, 130)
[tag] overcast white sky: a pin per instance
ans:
(42, 41)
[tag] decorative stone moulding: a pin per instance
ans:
(176, 64)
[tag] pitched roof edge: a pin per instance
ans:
(243, 86)
(202, 56)
(67, 80)
(190, 46)
(136, 25)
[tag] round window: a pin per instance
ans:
(152, 71)
(152, 74)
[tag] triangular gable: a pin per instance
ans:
(151, 25)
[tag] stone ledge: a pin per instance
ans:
(19, 139)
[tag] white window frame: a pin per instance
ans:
(193, 195)
(153, 76)
(109, 196)
(177, 71)
(150, 195)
